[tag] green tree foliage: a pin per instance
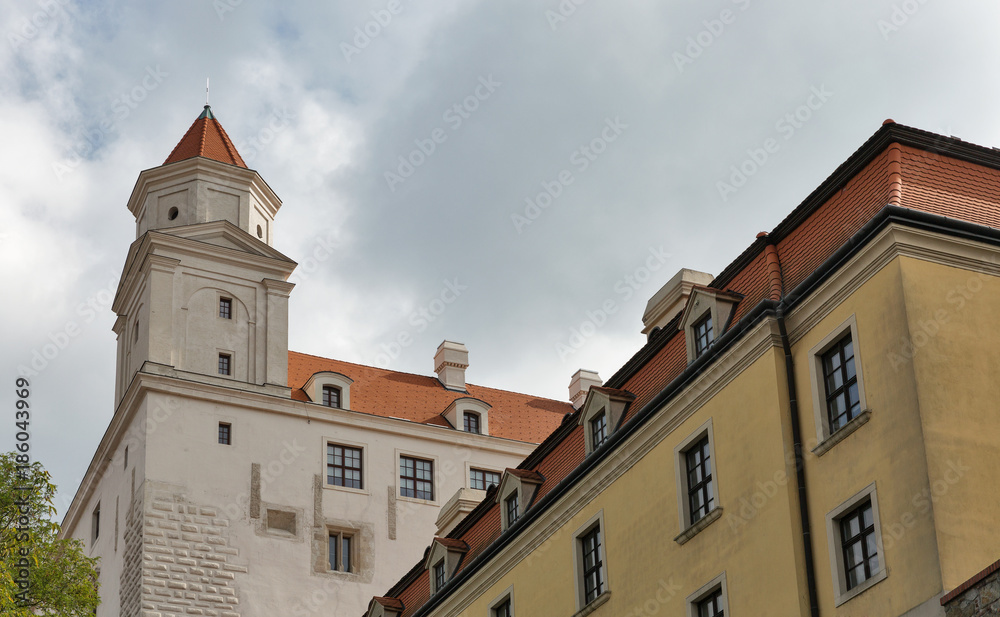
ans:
(61, 579)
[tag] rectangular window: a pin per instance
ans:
(416, 478)
(341, 545)
(702, 334)
(343, 466)
(599, 429)
(95, 521)
(331, 396)
(126, 457)
(512, 508)
(712, 605)
(439, 575)
(226, 308)
(701, 499)
(225, 364)
(471, 421)
(503, 609)
(593, 577)
(857, 537)
(225, 433)
(480, 479)
(843, 402)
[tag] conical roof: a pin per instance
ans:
(206, 138)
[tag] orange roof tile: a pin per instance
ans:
(420, 398)
(206, 138)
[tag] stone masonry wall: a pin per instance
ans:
(188, 564)
(131, 577)
(982, 599)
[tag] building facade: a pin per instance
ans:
(238, 478)
(814, 431)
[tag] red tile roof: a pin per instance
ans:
(390, 603)
(528, 476)
(206, 138)
(420, 398)
(453, 544)
(931, 173)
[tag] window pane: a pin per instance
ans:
(346, 553)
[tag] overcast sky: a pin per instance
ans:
(576, 154)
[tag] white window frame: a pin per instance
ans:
(840, 591)
(688, 528)
(825, 439)
(314, 388)
(582, 606)
(716, 584)
(507, 595)
(337, 441)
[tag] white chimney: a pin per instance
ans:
(580, 384)
(450, 363)
(670, 300)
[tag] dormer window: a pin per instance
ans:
(443, 559)
(331, 396)
(471, 422)
(702, 334)
(601, 414)
(705, 318)
(517, 489)
(439, 575)
(384, 607)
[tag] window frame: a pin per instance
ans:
(360, 468)
(597, 523)
(95, 523)
(716, 585)
(439, 574)
(486, 486)
(399, 476)
(341, 535)
(826, 438)
(835, 544)
(688, 526)
(228, 357)
(602, 417)
(505, 597)
(704, 321)
(703, 488)
(225, 307)
(229, 433)
(476, 421)
(327, 391)
(511, 502)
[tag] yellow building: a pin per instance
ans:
(815, 431)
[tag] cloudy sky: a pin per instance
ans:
(548, 159)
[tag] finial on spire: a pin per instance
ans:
(206, 92)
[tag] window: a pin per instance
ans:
(471, 422)
(226, 308)
(331, 396)
(343, 466)
(95, 522)
(840, 379)
(702, 334)
(712, 605)
(439, 575)
(699, 480)
(225, 367)
(511, 505)
(135, 332)
(126, 458)
(225, 433)
(341, 545)
(503, 609)
(480, 479)
(593, 578)
(599, 429)
(855, 539)
(416, 478)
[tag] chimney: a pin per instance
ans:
(580, 384)
(670, 300)
(450, 363)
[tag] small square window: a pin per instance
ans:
(471, 422)
(225, 364)
(226, 308)
(416, 478)
(511, 506)
(481, 479)
(840, 380)
(599, 429)
(702, 334)
(331, 396)
(343, 466)
(225, 433)
(341, 551)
